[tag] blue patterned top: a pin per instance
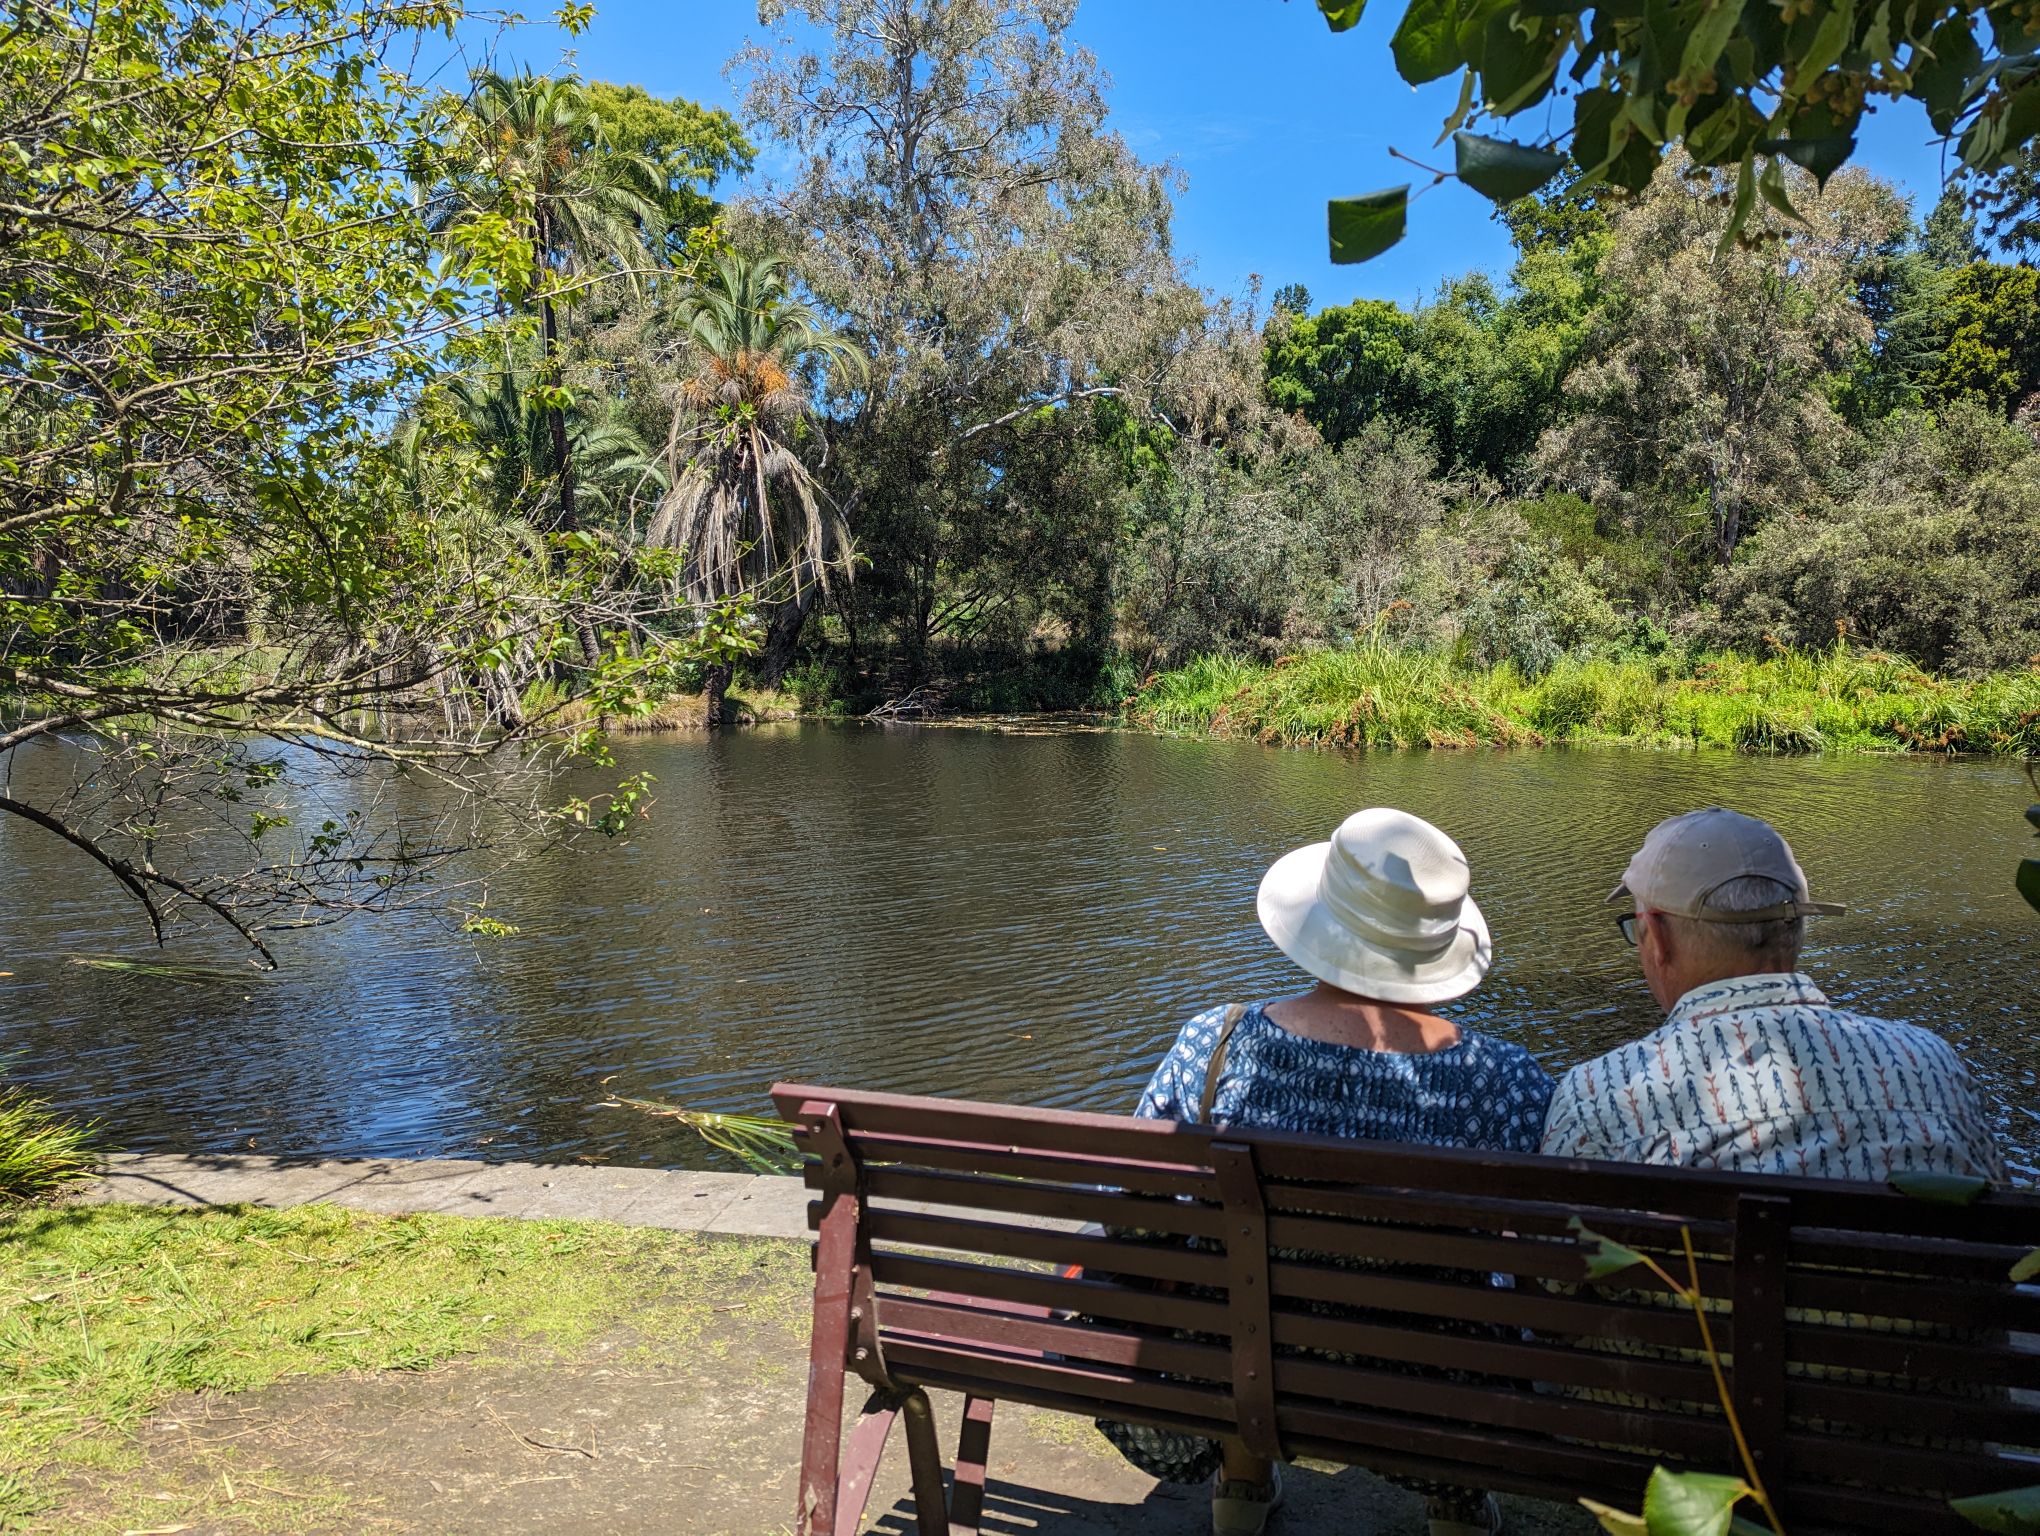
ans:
(1477, 1093)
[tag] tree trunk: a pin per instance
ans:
(715, 687)
(782, 634)
(563, 456)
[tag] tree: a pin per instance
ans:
(1747, 90)
(497, 412)
(1342, 367)
(690, 146)
(534, 150)
(744, 506)
(962, 210)
(1992, 354)
(219, 600)
(1706, 378)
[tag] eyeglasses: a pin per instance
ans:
(1626, 924)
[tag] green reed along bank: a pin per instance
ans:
(1841, 700)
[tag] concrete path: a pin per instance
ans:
(741, 1204)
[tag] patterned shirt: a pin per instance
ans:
(1762, 1074)
(1477, 1093)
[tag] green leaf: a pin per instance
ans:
(2029, 882)
(1941, 1188)
(1426, 41)
(1341, 14)
(1710, 35)
(1725, 136)
(2015, 1512)
(1745, 199)
(1823, 157)
(1614, 1520)
(1635, 163)
(1517, 72)
(1830, 36)
(2026, 1268)
(1363, 227)
(1604, 1255)
(1771, 185)
(1691, 1503)
(1738, 1526)
(1594, 114)
(1503, 171)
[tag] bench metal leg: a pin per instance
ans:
(924, 1457)
(973, 1447)
(860, 1468)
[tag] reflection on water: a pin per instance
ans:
(968, 913)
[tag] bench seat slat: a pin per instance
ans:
(1160, 1215)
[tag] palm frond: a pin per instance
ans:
(761, 1143)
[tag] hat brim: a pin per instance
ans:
(1305, 930)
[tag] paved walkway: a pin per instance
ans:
(742, 1204)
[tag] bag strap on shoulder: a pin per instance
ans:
(1233, 1015)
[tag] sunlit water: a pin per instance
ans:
(963, 912)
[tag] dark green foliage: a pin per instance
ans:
(1748, 88)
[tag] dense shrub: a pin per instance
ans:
(1947, 570)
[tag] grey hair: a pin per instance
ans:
(1781, 936)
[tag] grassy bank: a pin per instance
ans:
(40, 1152)
(106, 1312)
(1844, 700)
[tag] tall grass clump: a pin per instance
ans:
(41, 1152)
(1845, 699)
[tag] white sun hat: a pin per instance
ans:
(1382, 910)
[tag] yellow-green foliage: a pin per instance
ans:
(40, 1152)
(106, 1311)
(1840, 700)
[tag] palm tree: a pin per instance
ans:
(531, 149)
(743, 504)
(510, 428)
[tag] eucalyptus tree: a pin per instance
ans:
(1705, 382)
(744, 505)
(960, 207)
(534, 150)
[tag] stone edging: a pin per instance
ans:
(678, 1200)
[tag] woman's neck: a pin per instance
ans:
(1337, 1017)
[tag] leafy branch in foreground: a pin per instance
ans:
(1748, 87)
(1703, 1503)
(254, 662)
(1682, 1503)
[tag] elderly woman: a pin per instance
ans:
(1380, 916)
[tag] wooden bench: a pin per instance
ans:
(944, 1228)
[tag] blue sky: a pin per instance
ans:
(1264, 110)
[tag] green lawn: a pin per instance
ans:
(108, 1311)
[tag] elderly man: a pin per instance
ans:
(1754, 1069)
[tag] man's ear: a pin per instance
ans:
(1660, 931)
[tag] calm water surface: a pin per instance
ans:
(1010, 916)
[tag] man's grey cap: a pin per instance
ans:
(1687, 858)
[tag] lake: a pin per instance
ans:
(1009, 915)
